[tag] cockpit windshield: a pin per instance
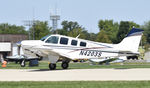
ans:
(45, 37)
(52, 39)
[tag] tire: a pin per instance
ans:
(64, 65)
(23, 63)
(52, 66)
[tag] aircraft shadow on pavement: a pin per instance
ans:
(40, 70)
(122, 68)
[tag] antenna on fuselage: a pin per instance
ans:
(78, 36)
(133, 27)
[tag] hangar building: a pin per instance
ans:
(8, 44)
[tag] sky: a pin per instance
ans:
(86, 12)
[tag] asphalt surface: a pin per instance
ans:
(74, 74)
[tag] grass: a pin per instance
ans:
(44, 65)
(77, 84)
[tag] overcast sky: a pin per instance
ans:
(86, 12)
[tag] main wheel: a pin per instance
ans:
(52, 66)
(64, 65)
(23, 63)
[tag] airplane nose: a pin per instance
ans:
(19, 43)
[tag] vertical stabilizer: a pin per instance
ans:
(131, 41)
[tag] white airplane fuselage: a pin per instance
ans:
(91, 50)
(75, 51)
(57, 46)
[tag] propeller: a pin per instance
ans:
(19, 46)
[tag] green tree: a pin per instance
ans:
(92, 36)
(70, 25)
(105, 25)
(61, 31)
(133, 24)
(73, 29)
(40, 29)
(6, 28)
(146, 28)
(123, 30)
(110, 28)
(76, 32)
(102, 37)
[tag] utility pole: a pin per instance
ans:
(31, 23)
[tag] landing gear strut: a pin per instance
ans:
(52, 66)
(64, 65)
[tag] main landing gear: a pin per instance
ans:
(52, 66)
(64, 65)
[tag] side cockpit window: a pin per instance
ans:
(83, 44)
(63, 40)
(52, 39)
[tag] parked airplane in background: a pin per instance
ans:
(56, 47)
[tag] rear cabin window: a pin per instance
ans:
(52, 39)
(74, 42)
(64, 41)
(83, 44)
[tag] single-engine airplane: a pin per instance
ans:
(57, 46)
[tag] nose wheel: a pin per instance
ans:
(64, 65)
(52, 66)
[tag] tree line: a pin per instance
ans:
(109, 31)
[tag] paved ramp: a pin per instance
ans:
(74, 74)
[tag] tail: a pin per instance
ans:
(131, 41)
